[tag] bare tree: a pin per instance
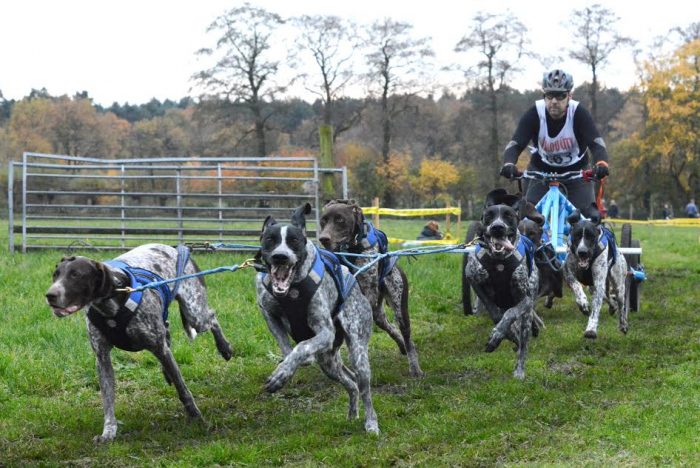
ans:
(244, 72)
(396, 75)
(688, 34)
(595, 39)
(500, 40)
(331, 42)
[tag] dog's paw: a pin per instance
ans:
(225, 350)
(193, 412)
(623, 328)
(491, 345)
(354, 410)
(591, 334)
(519, 374)
(278, 378)
(549, 302)
(584, 309)
(372, 427)
(104, 438)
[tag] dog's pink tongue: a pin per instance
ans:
(505, 243)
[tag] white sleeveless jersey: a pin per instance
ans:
(563, 149)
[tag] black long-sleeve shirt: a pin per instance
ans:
(528, 131)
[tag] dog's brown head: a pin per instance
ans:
(78, 281)
(341, 225)
(531, 224)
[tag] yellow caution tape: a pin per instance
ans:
(410, 212)
(448, 240)
(677, 222)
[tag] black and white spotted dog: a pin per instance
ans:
(345, 229)
(593, 260)
(135, 321)
(306, 294)
(502, 273)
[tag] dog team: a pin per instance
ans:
(309, 295)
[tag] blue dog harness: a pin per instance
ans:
(295, 305)
(500, 271)
(371, 237)
(607, 238)
(114, 328)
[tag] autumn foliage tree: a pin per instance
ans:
(666, 153)
(435, 178)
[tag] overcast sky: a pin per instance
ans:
(135, 50)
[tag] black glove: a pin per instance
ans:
(601, 171)
(509, 171)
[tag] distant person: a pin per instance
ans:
(613, 210)
(431, 231)
(666, 213)
(691, 210)
(603, 210)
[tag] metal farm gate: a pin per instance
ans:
(68, 202)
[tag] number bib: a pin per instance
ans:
(563, 149)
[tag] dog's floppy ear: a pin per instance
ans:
(511, 200)
(593, 214)
(299, 216)
(528, 210)
(495, 197)
(574, 217)
(105, 280)
(269, 221)
(329, 203)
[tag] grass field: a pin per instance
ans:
(619, 401)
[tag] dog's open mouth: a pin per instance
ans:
(584, 262)
(65, 312)
(500, 245)
(281, 279)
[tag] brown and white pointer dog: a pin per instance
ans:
(312, 300)
(79, 282)
(344, 229)
(502, 273)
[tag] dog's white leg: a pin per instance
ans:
(165, 356)
(501, 329)
(570, 278)
(525, 326)
(597, 302)
(618, 276)
(276, 327)
(359, 359)
(222, 344)
(600, 270)
(105, 374)
(333, 367)
(302, 352)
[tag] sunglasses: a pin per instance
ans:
(560, 95)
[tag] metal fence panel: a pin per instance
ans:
(118, 204)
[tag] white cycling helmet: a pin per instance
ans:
(557, 80)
